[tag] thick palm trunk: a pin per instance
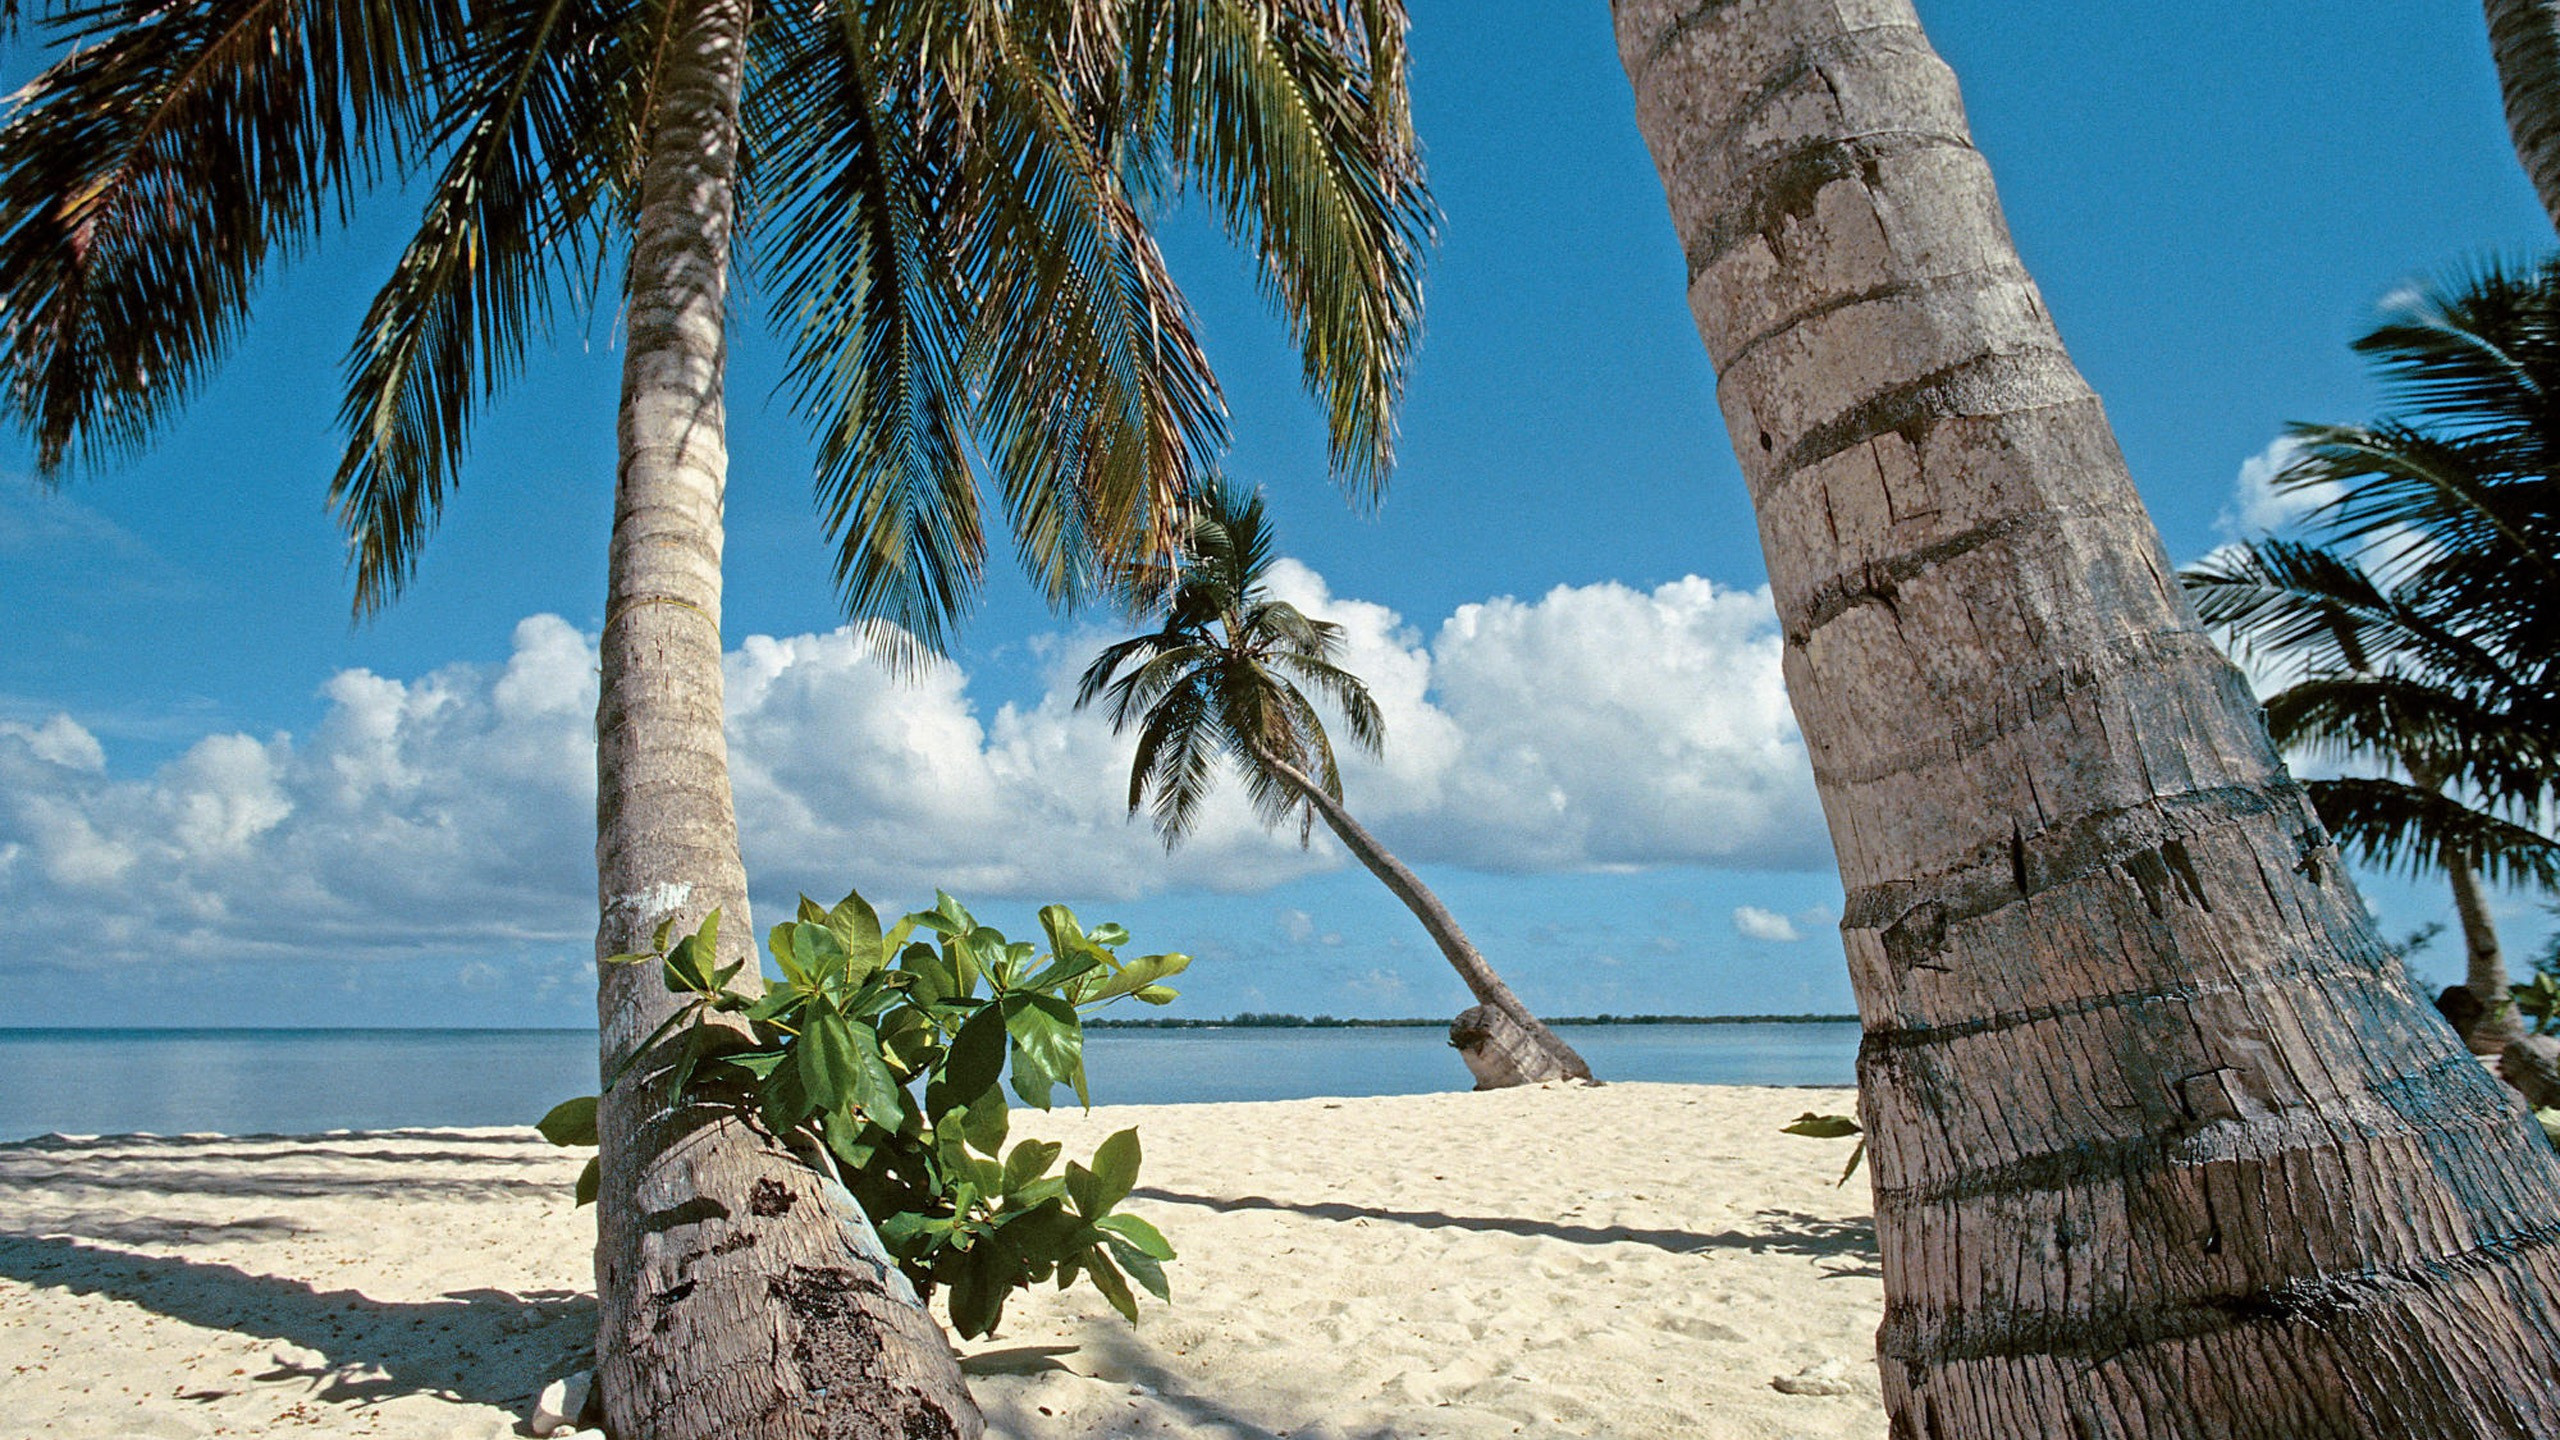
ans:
(1517, 1048)
(2161, 1144)
(2484, 964)
(739, 1298)
(2524, 41)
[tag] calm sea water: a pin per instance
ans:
(289, 1081)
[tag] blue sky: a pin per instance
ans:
(228, 805)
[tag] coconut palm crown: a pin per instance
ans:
(1222, 677)
(950, 205)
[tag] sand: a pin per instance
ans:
(1626, 1261)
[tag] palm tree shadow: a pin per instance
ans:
(1788, 1232)
(484, 1347)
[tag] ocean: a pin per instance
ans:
(169, 1082)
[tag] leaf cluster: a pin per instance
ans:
(887, 1054)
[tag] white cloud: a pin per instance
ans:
(1758, 924)
(1596, 727)
(2257, 507)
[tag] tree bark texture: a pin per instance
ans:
(2162, 1145)
(741, 1296)
(2484, 964)
(1523, 1052)
(2524, 42)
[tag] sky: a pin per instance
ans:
(221, 802)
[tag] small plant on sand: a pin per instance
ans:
(831, 1056)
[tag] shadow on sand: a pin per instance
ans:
(485, 1347)
(1787, 1233)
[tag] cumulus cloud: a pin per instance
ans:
(2257, 507)
(1758, 924)
(1596, 727)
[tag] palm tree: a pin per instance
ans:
(2524, 43)
(952, 205)
(1221, 677)
(2162, 1145)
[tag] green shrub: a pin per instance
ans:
(831, 1056)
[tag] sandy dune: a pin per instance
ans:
(1629, 1261)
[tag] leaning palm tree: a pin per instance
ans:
(2162, 1144)
(2387, 678)
(953, 209)
(1222, 677)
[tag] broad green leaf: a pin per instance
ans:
(1032, 1083)
(977, 1053)
(1029, 1161)
(781, 1000)
(1107, 1279)
(1156, 994)
(1115, 1172)
(1139, 1233)
(985, 1121)
(1068, 967)
(1142, 1267)
(777, 942)
(785, 1098)
(934, 981)
(1082, 1189)
(820, 951)
(978, 1292)
(571, 1122)
(830, 1061)
(1059, 923)
(1048, 1032)
(876, 1087)
(811, 911)
(858, 926)
(590, 1180)
(760, 1064)
(1136, 975)
(1821, 1127)
(1109, 935)
(658, 941)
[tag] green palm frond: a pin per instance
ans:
(2417, 830)
(2325, 612)
(1290, 116)
(533, 152)
(148, 176)
(844, 198)
(2452, 738)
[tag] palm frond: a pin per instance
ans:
(843, 202)
(148, 176)
(1290, 115)
(533, 151)
(2406, 827)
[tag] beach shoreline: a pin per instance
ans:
(1623, 1260)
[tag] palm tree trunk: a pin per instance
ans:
(2484, 964)
(2524, 41)
(737, 1297)
(1535, 1054)
(2161, 1143)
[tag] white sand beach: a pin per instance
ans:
(1627, 1261)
